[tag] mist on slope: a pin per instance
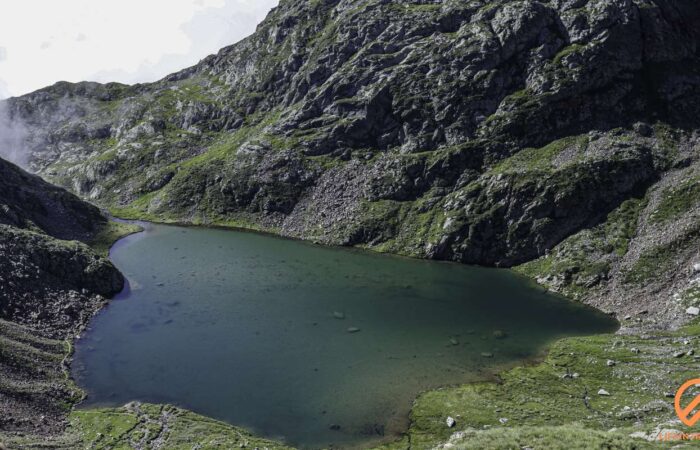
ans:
(13, 135)
(12, 132)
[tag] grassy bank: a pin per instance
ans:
(142, 426)
(110, 234)
(148, 426)
(559, 402)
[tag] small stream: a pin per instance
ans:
(311, 345)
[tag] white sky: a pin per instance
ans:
(45, 41)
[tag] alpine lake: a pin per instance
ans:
(311, 345)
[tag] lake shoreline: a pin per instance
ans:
(77, 418)
(488, 374)
(632, 318)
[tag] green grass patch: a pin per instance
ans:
(137, 210)
(677, 200)
(651, 264)
(142, 425)
(582, 261)
(538, 159)
(659, 260)
(562, 391)
(564, 437)
(111, 233)
(566, 51)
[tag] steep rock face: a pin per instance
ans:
(477, 131)
(52, 285)
(49, 280)
(27, 201)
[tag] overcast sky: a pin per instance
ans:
(45, 41)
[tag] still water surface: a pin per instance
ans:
(253, 330)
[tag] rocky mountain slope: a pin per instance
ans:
(49, 289)
(49, 276)
(493, 132)
(29, 202)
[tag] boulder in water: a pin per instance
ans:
(499, 334)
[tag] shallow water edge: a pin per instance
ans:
(392, 295)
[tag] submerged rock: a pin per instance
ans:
(339, 315)
(353, 330)
(499, 334)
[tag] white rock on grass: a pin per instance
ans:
(696, 267)
(450, 422)
(693, 310)
(603, 392)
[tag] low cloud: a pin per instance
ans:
(13, 136)
(4, 91)
(13, 132)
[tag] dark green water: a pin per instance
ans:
(241, 327)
